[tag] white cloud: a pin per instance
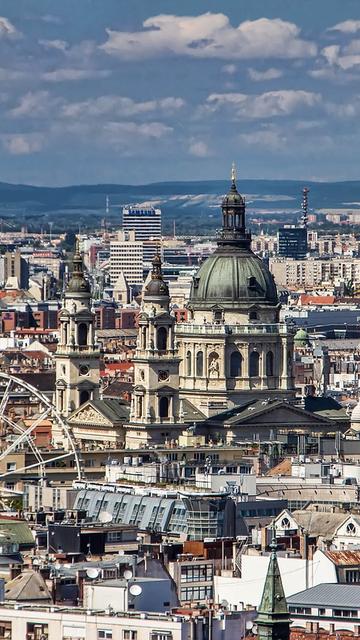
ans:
(348, 26)
(64, 75)
(229, 68)
(344, 58)
(121, 106)
(268, 74)
(118, 131)
(270, 139)
(210, 35)
(7, 29)
(35, 104)
(59, 45)
(199, 149)
(22, 144)
(265, 105)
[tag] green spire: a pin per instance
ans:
(273, 617)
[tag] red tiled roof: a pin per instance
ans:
(308, 299)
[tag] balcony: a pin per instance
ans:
(229, 329)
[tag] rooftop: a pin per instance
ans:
(345, 596)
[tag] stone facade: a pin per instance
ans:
(77, 355)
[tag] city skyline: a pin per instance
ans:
(103, 92)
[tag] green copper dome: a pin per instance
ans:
(301, 338)
(233, 275)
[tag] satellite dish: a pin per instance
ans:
(128, 574)
(135, 590)
(224, 603)
(92, 573)
(105, 516)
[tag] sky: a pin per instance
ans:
(131, 92)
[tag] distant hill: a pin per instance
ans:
(193, 205)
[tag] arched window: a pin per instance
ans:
(65, 332)
(164, 407)
(161, 339)
(269, 363)
(82, 334)
(235, 364)
(253, 315)
(254, 363)
(188, 363)
(199, 363)
(84, 396)
(140, 407)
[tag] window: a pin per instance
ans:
(235, 364)
(345, 613)
(351, 529)
(285, 523)
(105, 634)
(188, 363)
(5, 630)
(253, 315)
(82, 334)
(129, 634)
(199, 363)
(269, 363)
(352, 575)
(254, 364)
(322, 612)
(161, 635)
(164, 407)
(161, 339)
(84, 396)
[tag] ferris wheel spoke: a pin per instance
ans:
(25, 434)
(9, 384)
(5, 397)
(31, 444)
(37, 464)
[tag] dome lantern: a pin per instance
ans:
(233, 230)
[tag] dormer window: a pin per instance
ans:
(285, 523)
(253, 315)
(351, 529)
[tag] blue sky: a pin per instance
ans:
(150, 90)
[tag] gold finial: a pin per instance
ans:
(233, 172)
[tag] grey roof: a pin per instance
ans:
(27, 586)
(344, 596)
(112, 408)
(16, 532)
(319, 524)
(117, 333)
(192, 413)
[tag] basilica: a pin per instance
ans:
(223, 375)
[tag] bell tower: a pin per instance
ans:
(77, 355)
(156, 363)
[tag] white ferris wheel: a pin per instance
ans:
(18, 430)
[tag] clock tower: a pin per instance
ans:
(77, 355)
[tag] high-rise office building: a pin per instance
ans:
(292, 242)
(16, 270)
(146, 222)
(127, 258)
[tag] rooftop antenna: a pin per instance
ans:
(305, 207)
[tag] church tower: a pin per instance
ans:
(234, 348)
(273, 620)
(77, 356)
(155, 400)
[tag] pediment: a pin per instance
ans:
(87, 414)
(279, 415)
